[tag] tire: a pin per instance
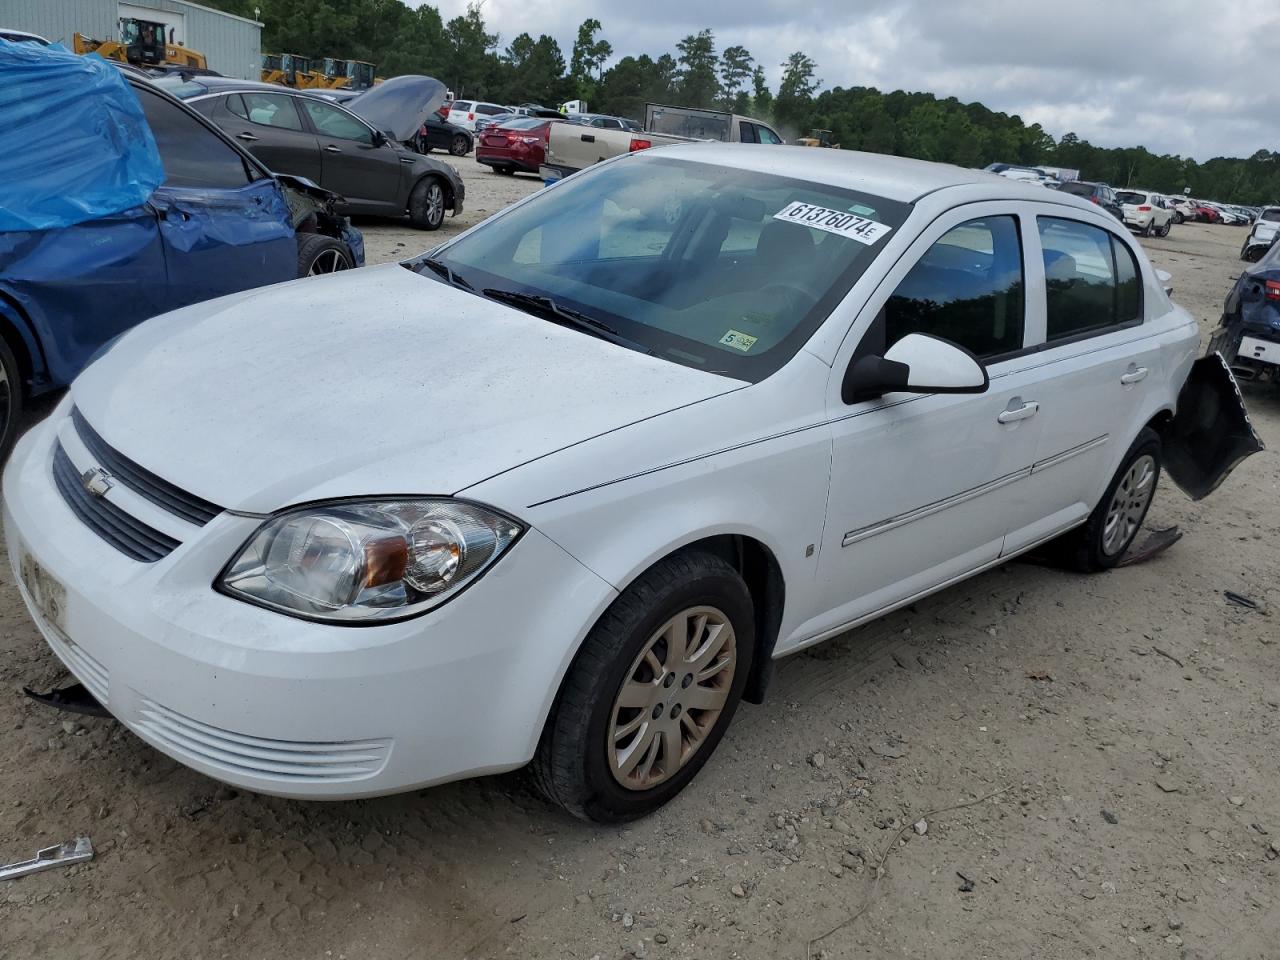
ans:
(1092, 547)
(10, 400)
(1178, 217)
(587, 761)
(460, 146)
(426, 204)
(319, 254)
(1146, 231)
(1168, 225)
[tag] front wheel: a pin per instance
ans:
(10, 399)
(459, 147)
(650, 693)
(1115, 521)
(426, 204)
(319, 254)
(1178, 218)
(1168, 225)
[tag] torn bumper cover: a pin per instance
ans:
(311, 208)
(1210, 434)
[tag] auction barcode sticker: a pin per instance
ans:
(832, 221)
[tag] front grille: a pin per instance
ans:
(127, 534)
(87, 670)
(292, 760)
(142, 481)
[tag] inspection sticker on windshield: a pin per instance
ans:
(832, 221)
(739, 341)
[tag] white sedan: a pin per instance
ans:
(563, 490)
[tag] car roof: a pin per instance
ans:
(229, 84)
(895, 178)
(6, 32)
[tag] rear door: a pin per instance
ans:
(356, 163)
(224, 227)
(1098, 360)
(747, 132)
(269, 126)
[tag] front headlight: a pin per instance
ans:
(367, 561)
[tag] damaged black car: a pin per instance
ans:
(1249, 335)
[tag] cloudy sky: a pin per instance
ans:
(1194, 77)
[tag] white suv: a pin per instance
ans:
(1145, 212)
(565, 488)
(463, 113)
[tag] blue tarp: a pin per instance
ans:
(74, 144)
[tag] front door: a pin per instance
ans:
(223, 228)
(356, 164)
(924, 487)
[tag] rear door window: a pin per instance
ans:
(967, 288)
(1092, 281)
(193, 155)
(746, 132)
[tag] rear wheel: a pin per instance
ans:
(650, 693)
(426, 204)
(319, 254)
(1115, 521)
(459, 147)
(10, 399)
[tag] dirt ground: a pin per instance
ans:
(1113, 740)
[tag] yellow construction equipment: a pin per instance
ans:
(818, 138)
(144, 43)
(287, 69)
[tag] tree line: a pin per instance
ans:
(472, 60)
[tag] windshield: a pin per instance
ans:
(1128, 196)
(717, 268)
(180, 88)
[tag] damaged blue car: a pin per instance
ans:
(119, 202)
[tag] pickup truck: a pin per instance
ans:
(571, 147)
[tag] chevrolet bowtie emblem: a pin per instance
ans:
(96, 481)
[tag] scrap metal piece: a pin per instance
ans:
(1157, 542)
(63, 855)
(73, 699)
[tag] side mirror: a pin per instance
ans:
(918, 363)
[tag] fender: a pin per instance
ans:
(18, 329)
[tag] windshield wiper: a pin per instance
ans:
(442, 269)
(548, 309)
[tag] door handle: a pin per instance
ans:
(588, 138)
(1028, 409)
(1133, 375)
(246, 137)
(332, 149)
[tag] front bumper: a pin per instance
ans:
(279, 705)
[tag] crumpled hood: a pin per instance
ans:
(373, 381)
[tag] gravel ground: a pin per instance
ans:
(1030, 764)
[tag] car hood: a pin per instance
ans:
(373, 381)
(399, 106)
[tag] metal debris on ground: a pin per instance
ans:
(1157, 542)
(1239, 600)
(63, 855)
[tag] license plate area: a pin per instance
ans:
(46, 592)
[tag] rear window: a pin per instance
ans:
(1079, 189)
(1271, 216)
(461, 105)
(523, 123)
(1128, 196)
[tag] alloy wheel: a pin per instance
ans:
(672, 697)
(435, 203)
(1129, 505)
(328, 261)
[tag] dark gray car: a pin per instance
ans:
(355, 150)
